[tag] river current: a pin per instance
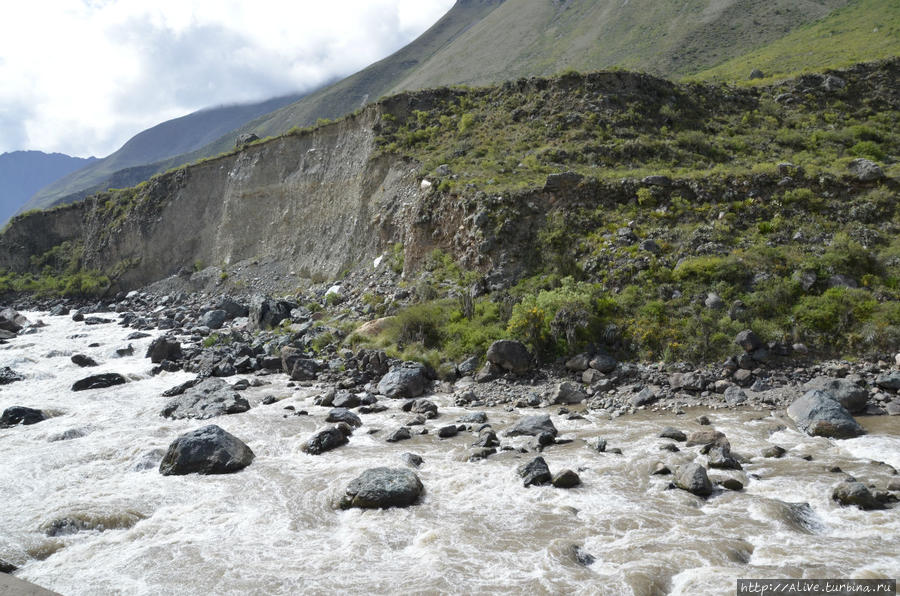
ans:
(272, 528)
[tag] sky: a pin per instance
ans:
(81, 77)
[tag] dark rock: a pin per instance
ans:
(412, 459)
(581, 556)
(7, 567)
(96, 321)
(163, 348)
(598, 445)
(487, 438)
(743, 377)
(844, 391)
(206, 399)
(670, 447)
(732, 484)
(673, 433)
(136, 335)
(214, 319)
(344, 415)
(473, 418)
(855, 493)
(304, 369)
(661, 469)
(721, 458)
(817, 414)
(488, 373)
(83, 361)
(380, 488)
(693, 478)
(445, 432)
(11, 320)
(578, 363)
(890, 381)
(535, 472)
(421, 406)
(749, 340)
(734, 396)
(533, 426)
(774, 451)
(562, 181)
(707, 437)
(404, 381)
(68, 435)
(566, 479)
(15, 415)
(703, 420)
(345, 399)
(266, 313)
(689, 381)
(644, 397)
(510, 355)
(208, 450)
(567, 393)
(480, 454)
(327, 439)
(604, 363)
(401, 434)
(100, 381)
(8, 375)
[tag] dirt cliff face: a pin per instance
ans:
(314, 203)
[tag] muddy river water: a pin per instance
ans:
(273, 528)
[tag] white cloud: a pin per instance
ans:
(81, 77)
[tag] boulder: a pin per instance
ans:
(707, 437)
(265, 313)
(83, 361)
(890, 381)
(209, 398)
(232, 308)
(380, 488)
(844, 391)
(11, 320)
(163, 348)
(855, 493)
(304, 369)
(734, 395)
(566, 479)
(535, 472)
(604, 363)
(533, 426)
(446, 432)
(401, 434)
(673, 433)
(473, 418)
(866, 170)
(412, 459)
(8, 375)
(578, 363)
(749, 340)
(510, 355)
(818, 414)
(208, 450)
(327, 439)
(421, 406)
(693, 478)
(244, 139)
(344, 415)
(214, 319)
(100, 381)
(775, 451)
(15, 415)
(644, 397)
(407, 380)
(567, 393)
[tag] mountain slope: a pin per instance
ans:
(22, 173)
(862, 30)
(173, 137)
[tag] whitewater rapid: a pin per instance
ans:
(273, 529)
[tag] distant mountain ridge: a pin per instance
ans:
(481, 42)
(136, 157)
(22, 173)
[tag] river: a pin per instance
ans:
(272, 528)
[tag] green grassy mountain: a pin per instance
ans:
(482, 42)
(135, 160)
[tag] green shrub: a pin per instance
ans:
(711, 269)
(868, 149)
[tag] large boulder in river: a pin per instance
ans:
(208, 450)
(20, 415)
(380, 488)
(11, 320)
(266, 313)
(533, 426)
(209, 398)
(510, 355)
(163, 348)
(693, 478)
(817, 413)
(535, 472)
(327, 439)
(845, 392)
(101, 381)
(407, 380)
(8, 375)
(855, 493)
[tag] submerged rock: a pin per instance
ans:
(8, 375)
(207, 450)
(818, 414)
(16, 415)
(855, 493)
(100, 381)
(380, 488)
(207, 399)
(83, 361)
